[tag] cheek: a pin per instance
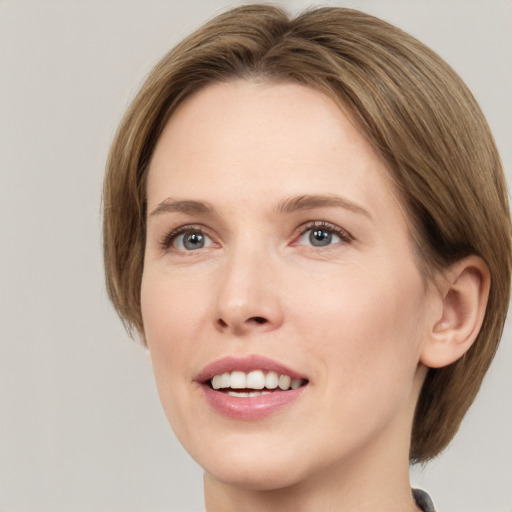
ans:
(369, 326)
(171, 314)
(170, 308)
(367, 338)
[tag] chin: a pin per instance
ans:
(261, 464)
(256, 474)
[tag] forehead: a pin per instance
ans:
(265, 138)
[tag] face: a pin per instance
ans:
(278, 256)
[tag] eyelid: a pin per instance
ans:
(345, 236)
(167, 241)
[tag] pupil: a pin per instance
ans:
(320, 237)
(194, 241)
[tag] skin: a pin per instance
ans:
(353, 316)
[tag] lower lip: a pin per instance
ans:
(250, 408)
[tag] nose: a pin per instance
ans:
(247, 299)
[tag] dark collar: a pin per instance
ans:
(423, 500)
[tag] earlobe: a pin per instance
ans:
(465, 291)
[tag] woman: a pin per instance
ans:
(306, 222)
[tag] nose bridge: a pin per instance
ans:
(246, 297)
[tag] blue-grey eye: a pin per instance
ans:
(319, 237)
(192, 240)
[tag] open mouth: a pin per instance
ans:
(254, 383)
(250, 388)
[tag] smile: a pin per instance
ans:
(250, 388)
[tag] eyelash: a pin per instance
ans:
(345, 236)
(168, 239)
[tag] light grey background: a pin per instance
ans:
(81, 428)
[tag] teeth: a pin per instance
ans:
(271, 380)
(245, 394)
(221, 381)
(256, 380)
(216, 382)
(225, 380)
(284, 382)
(239, 394)
(238, 380)
(296, 383)
(259, 393)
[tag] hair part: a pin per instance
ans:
(414, 110)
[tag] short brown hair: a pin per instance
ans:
(413, 108)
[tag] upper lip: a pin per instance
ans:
(245, 364)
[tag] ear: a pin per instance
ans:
(464, 290)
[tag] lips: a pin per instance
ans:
(250, 388)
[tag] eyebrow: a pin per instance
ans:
(310, 202)
(170, 205)
(290, 205)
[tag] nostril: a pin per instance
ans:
(258, 319)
